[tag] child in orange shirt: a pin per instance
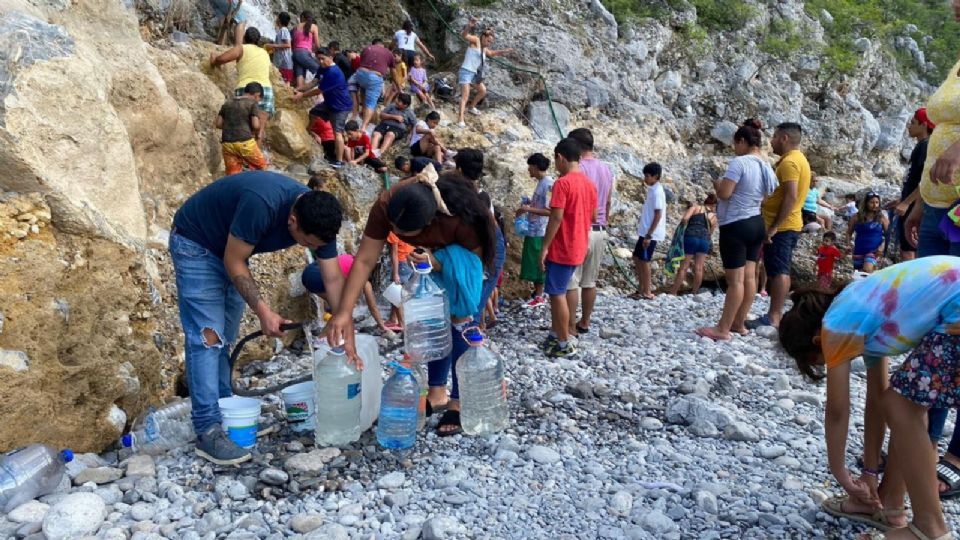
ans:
(399, 251)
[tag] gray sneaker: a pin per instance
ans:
(215, 447)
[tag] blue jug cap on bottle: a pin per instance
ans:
(67, 455)
(127, 440)
(422, 266)
(400, 368)
(474, 335)
(339, 351)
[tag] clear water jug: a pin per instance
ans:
(161, 429)
(483, 389)
(337, 399)
(30, 472)
(426, 317)
(521, 225)
(397, 426)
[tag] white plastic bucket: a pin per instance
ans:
(392, 294)
(298, 403)
(240, 419)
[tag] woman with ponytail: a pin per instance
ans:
(748, 180)
(306, 40)
(429, 213)
(912, 307)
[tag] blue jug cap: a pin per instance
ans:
(400, 368)
(422, 266)
(126, 440)
(67, 455)
(338, 351)
(473, 335)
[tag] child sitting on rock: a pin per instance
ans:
(396, 121)
(912, 307)
(358, 149)
(418, 81)
(424, 141)
(322, 131)
(239, 118)
(398, 77)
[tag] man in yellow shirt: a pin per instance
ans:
(782, 217)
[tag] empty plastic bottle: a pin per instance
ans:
(420, 374)
(337, 399)
(161, 429)
(30, 472)
(397, 426)
(483, 389)
(426, 317)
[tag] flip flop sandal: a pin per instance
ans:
(449, 418)
(581, 330)
(949, 474)
(879, 519)
(920, 536)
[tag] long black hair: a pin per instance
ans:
(804, 321)
(413, 207)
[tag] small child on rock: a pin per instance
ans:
(827, 255)
(240, 121)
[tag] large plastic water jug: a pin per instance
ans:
(521, 225)
(30, 472)
(337, 399)
(397, 427)
(426, 317)
(483, 389)
(371, 376)
(161, 429)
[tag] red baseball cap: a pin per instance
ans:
(921, 116)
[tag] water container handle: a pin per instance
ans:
(400, 368)
(473, 330)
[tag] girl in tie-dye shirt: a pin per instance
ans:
(913, 307)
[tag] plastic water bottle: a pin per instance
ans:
(161, 429)
(337, 399)
(521, 225)
(397, 427)
(426, 317)
(30, 472)
(420, 374)
(483, 390)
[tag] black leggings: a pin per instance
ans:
(740, 242)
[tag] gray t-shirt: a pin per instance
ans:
(409, 119)
(748, 173)
(283, 58)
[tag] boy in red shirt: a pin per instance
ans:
(573, 208)
(358, 149)
(827, 254)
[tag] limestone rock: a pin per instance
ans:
(287, 133)
(311, 462)
(76, 515)
(98, 475)
(542, 122)
(29, 512)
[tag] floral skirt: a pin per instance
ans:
(930, 375)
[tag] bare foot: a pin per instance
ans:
(741, 330)
(712, 333)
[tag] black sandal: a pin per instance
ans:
(949, 474)
(581, 330)
(883, 461)
(431, 410)
(449, 418)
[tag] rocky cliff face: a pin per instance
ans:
(106, 126)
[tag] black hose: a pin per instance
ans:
(247, 392)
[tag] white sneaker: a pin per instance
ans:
(474, 111)
(461, 124)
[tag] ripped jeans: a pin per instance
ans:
(207, 299)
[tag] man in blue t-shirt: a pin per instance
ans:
(215, 233)
(337, 103)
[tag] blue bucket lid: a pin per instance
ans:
(67, 455)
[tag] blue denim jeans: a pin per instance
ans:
(372, 85)
(932, 242)
(438, 371)
(490, 281)
(206, 298)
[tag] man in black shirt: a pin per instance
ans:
(919, 128)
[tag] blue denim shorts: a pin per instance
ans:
(778, 256)
(372, 85)
(557, 277)
(645, 255)
(695, 245)
(466, 76)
